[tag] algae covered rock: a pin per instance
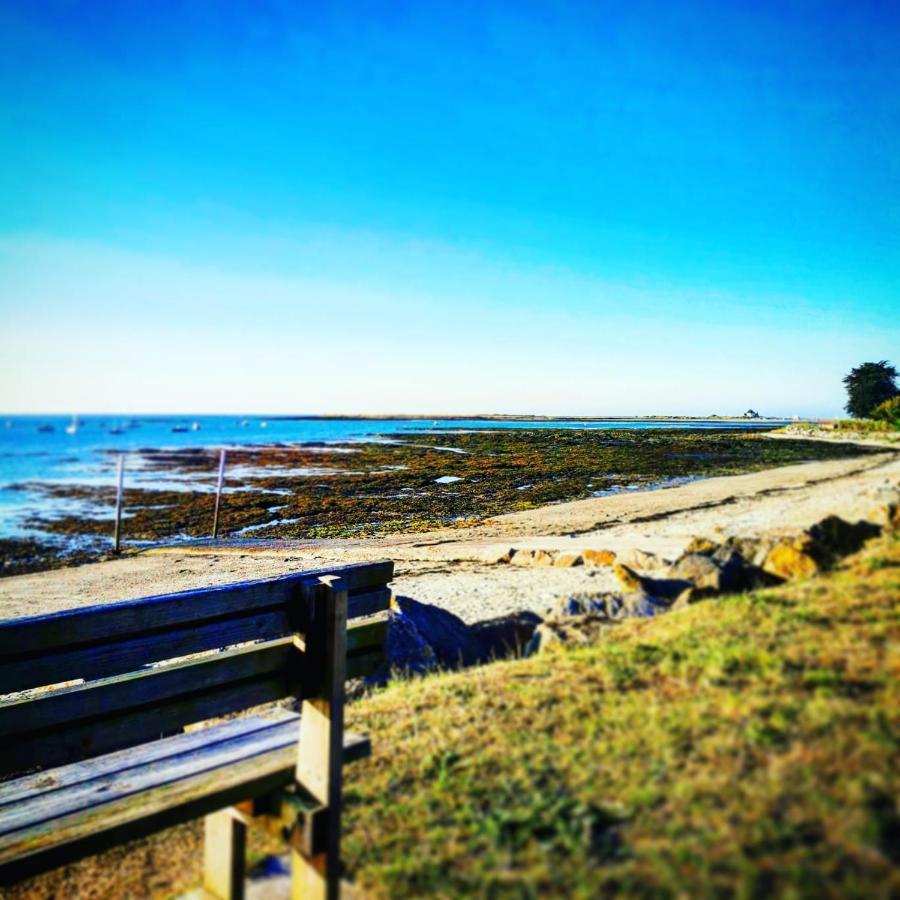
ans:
(791, 559)
(598, 557)
(627, 577)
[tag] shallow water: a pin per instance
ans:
(47, 450)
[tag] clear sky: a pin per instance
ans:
(585, 208)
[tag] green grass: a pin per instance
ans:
(747, 746)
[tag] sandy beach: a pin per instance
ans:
(459, 568)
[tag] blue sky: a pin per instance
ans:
(550, 207)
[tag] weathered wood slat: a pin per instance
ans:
(90, 737)
(112, 695)
(368, 603)
(103, 660)
(20, 789)
(366, 663)
(366, 634)
(148, 797)
(86, 625)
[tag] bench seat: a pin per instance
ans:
(54, 817)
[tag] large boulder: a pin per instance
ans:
(506, 635)
(451, 640)
(721, 569)
(565, 560)
(702, 571)
(791, 559)
(406, 649)
(630, 605)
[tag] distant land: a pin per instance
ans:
(504, 417)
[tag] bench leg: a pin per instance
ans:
(317, 876)
(224, 854)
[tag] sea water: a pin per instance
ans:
(62, 450)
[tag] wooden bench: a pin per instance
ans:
(108, 760)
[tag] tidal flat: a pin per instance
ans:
(399, 483)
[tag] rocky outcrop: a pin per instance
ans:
(561, 558)
(706, 569)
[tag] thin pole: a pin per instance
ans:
(120, 473)
(219, 493)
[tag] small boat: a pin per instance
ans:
(180, 429)
(46, 429)
(73, 427)
(116, 430)
(264, 424)
(195, 426)
(245, 423)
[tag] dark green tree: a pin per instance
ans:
(868, 386)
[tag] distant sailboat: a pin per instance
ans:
(195, 426)
(264, 424)
(73, 427)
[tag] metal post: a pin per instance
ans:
(215, 533)
(120, 472)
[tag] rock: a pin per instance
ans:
(581, 605)
(703, 572)
(753, 550)
(686, 598)
(721, 572)
(406, 649)
(640, 605)
(451, 640)
(631, 605)
(521, 557)
(791, 559)
(598, 557)
(627, 577)
(887, 516)
(574, 630)
(566, 560)
(499, 558)
(641, 559)
(505, 636)
(531, 558)
(701, 545)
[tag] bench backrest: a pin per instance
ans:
(127, 699)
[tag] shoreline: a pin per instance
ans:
(402, 484)
(460, 569)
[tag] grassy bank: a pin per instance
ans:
(748, 746)
(745, 746)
